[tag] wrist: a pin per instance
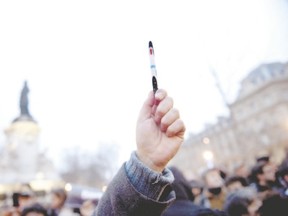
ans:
(150, 163)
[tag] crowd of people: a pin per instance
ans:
(145, 185)
(262, 190)
(55, 203)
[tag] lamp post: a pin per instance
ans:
(208, 157)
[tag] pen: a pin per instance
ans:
(153, 67)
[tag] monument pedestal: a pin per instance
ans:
(22, 150)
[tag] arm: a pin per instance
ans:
(143, 185)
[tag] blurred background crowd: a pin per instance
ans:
(259, 190)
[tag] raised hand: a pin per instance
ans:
(160, 131)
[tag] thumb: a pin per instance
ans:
(146, 109)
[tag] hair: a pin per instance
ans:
(265, 159)
(230, 180)
(222, 174)
(256, 170)
(237, 202)
(274, 204)
(36, 207)
(181, 185)
(60, 193)
(282, 171)
(196, 184)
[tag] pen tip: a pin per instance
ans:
(150, 44)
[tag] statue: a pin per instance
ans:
(24, 100)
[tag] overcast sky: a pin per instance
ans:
(87, 63)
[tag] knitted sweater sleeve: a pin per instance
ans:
(136, 190)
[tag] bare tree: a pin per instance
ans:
(88, 168)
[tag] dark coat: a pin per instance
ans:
(183, 205)
(122, 199)
(188, 208)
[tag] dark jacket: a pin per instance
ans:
(136, 191)
(183, 205)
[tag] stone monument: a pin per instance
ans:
(21, 160)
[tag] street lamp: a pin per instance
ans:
(206, 140)
(208, 157)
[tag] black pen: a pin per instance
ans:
(153, 67)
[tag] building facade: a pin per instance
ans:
(257, 126)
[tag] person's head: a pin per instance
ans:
(34, 210)
(213, 178)
(282, 175)
(263, 172)
(243, 202)
(274, 204)
(181, 186)
(263, 158)
(22, 199)
(58, 198)
(9, 211)
(269, 171)
(87, 207)
(234, 183)
(241, 170)
(196, 187)
(214, 181)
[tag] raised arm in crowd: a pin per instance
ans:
(142, 186)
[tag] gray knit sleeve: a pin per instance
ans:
(146, 181)
(136, 190)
